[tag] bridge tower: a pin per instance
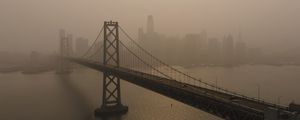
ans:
(65, 51)
(111, 96)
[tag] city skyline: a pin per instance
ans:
(270, 26)
(149, 60)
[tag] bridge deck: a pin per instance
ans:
(251, 104)
(132, 76)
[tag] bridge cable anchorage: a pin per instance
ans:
(180, 73)
(94, 43)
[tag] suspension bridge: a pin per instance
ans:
(119, 57)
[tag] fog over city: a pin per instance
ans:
(33, 25)
(172, 59)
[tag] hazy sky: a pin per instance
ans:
(28, 25)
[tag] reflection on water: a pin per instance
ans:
(78, 98)
(49, 96)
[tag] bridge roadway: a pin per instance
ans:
(224, 105)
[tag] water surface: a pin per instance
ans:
(49, 96)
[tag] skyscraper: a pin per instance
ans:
(228, 50)
(69, 45)
(202, 47)
(214, 50)
(192, 48)
(150, 24)
(151, 40)
(62, 37)
(240, 51)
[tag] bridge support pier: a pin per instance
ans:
(111, 97)
(105, 111)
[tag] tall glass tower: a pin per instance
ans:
(150, 24)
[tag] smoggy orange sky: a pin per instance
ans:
(28, 25)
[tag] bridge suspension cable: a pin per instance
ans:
(172, 73)
(141, 67)
(134, 56)
(95, 48)
(143, 60)
(158, 60)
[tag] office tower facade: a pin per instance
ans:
(150, 25)
(191, 49)
(228, 50)
(214, 49)
(202, 47)
(240, 50)
(70, 45)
